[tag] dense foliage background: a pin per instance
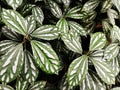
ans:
(59, 45)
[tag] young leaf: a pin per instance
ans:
(104, 71)
(66, 3)
(45, 57)
(77, 70)
(46, 32)
(5, 87)
(14, 21)
(117, 4)
(38, 14)
(37, 85)
(30, 71)
(106, 25)
(77, 28)
(11, 64)
(55, 9)
(111, 51)
(14, 3)
(31, 24)
(97, 41)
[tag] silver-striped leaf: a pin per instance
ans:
(45, 57)
(21, 84)
(5, 87)
(66, 3)
(11, 63)
(31, 24)
(14, 21)
(77, 28)
(55, 9)
(97, 41)
(106, 25)
(117, 4)
(40, 85)
(30, 71)
(14, 3)
(38, 14)
(104, 70)
(116, 88)
(77, 70)
(111, 51)
(46, 32)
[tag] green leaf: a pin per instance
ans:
(77, 70)
(116, 88)
(75, 13)
(38, 14)
(111, 51)
(55, 9)
(21, 84)
(46, 32)
(14, 3)
(77, 28)
(104, 70)
(62, 25)
(66, 3)
(45, 57)
(30, 71)
(37, 85)
(5, 87)
(106, 25)
(117, 4)
(97, 41)
(31, 24)
(11, 64)
(14, 21)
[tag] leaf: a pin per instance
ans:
(106, 25)
(107, 4)
(37, 85)
(97, 41)
(30, 71)
(55, 9)
(62, 25)
(111, 51)
(14, 3)
(21, 84)
(14, 21)
(117, 4)
(75, 13)
(77, 28)
(31, 24)
(11, 64)
(66, 3)
(46, 32)
(5, 87)
(77, 70)
(11, 34)
(45, 57)
(104, 71)
(116, 88)
(38, 14)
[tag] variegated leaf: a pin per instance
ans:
(97, 41)
(55, 9)
(66, 3)
(5, 87)
(75, 13)
(106, 25)
(46, 57)
(77, 70)
(37, 85)
(92, 82)
(116, 88)
(90, 5)
(106, 5)
(104, 71)
(46, 32)
(38, 14)
(117, 4)
(62, 25)
(31, 24)
(111, 51)
(21, 84)
(30, 71)
(11, 64)
(14, 21)
(14, 3)
(77, 28)
(11, 34)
